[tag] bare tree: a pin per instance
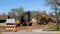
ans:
(55, 4)
(16, 12)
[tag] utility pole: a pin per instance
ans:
(55, 4)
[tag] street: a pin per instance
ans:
(33, 32)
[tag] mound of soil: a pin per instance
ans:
(43, 26)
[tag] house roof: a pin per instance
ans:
(3, 17)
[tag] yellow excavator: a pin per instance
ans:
(17, 22)
(43, 19)
(24, 21)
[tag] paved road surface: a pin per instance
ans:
(29, 33)
(33, 32)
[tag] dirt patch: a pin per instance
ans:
(2, 28)
(43, 26)
(35, 25)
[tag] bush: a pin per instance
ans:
(0, 33)
(53, 28)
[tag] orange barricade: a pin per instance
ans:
(11, 28)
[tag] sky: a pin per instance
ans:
(6, 5)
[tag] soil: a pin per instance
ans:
(35, 25)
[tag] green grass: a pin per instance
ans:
(0, 33)
(53, 28)
(2, 26)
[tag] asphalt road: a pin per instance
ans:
(33, 32)
(29, 33)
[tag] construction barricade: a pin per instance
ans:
(11, 28)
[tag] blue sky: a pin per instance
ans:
(6, 5)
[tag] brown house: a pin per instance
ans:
(3, 18)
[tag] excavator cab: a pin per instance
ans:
(44, 20)
(23, 19)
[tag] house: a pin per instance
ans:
(3, 18)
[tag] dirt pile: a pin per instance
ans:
(43, 26)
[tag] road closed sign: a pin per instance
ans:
(12, 20)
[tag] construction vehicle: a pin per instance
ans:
(44, 19)
(25, 21)
(17, 22)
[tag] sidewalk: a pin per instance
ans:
(2, 24)
(40, 30)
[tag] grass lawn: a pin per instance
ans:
(0, 33)
(2, 27)
(53, 28)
